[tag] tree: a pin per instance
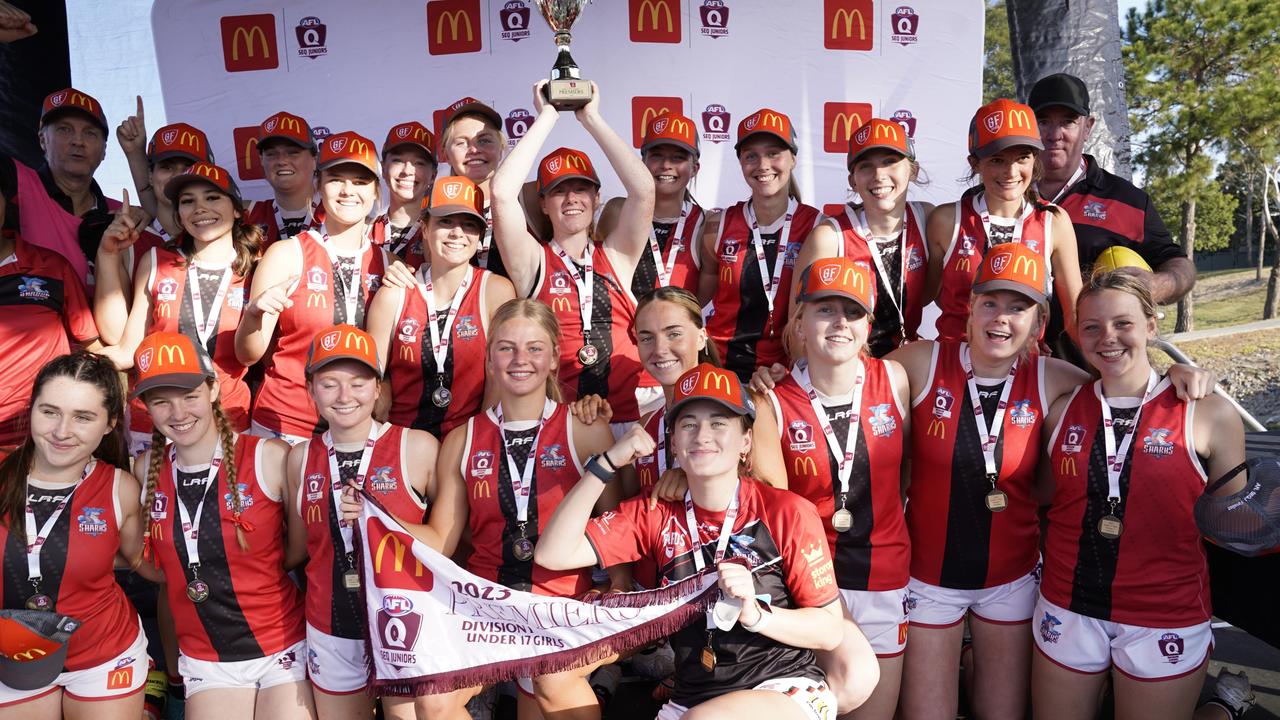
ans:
(997, 58)
(1199, 73)
(1215, 211)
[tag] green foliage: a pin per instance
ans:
(1215, 212)
(997, 57)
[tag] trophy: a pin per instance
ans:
(566, 90)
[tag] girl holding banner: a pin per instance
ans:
(409, 168)
(431, 338)
(217, 538)
(749, 251)
(584, 280)
(884, 232)
(472, 142)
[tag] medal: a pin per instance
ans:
(441, 397)
(197, 591)
(522, 549)
(40, 601)
(842, 520)
(996, 500)
(726, 612)
(440, 337)
(709, 656)
(36, 538)
(1110, 527)
(588, 355)
(351, 580)
(522, 480)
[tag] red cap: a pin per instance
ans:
(33, 647)
(342, 342)
(179, 140)
(471, 106)
(563, 164)
(1016, 267)
(769, 122)
(411, 133)
(166, 359)
(708, 382)
(1002, 124)
(878, 134)
(671, 129)
(285, 126)
(206, 173)
(72, 100)
(348, 147)
(838, 277)
(454, 195)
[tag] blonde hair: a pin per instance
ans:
(791, 333)
(1124, 282)
(446, 137)
(544, 318)
(1033, 337)
(685, 300)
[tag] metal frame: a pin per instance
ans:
(1168, 348)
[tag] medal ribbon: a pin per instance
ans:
(859, 221)
(722, 542)
(190, 525)
(771, 284)
(335, 477)
(1117, 459)
(408, 235)
(440, 339)
(159, 231)
(584, 287)
(988, 434)
(673, 249)
(309, 223)
(206, 326)
(522, 480)
(980, 207)
(350, 285)
(36, 540)
(486, 241)
(844, 457)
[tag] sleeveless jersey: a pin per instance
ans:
(617, 372)
(969, 244)
(412, 367)
(493, 508)
(745, 332)
(401, 245)
(913, 268)
(875, 552)
(331, 608)
(282, 403)
(77, 571)
(263, 214)
(254, 609)
(956, 542)
(1155, 574)
(685, 271)
(172, 311)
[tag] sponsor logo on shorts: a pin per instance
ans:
(881, 424)
(552, 456)
(1021, 414)
(715, 18)
(1157, 442)
(313, 663)
(32, 288)
(90, 521)
(604, 520)
(286, 660)
(311, 34)
(382, 481)
(121, 676)
(1048, 628)
(1172, 647)
(514, 19)
(904, 26)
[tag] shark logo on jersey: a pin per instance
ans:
(1021, 414)
(1157, 442)
(881, 424)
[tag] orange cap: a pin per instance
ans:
(206, 173)
(410, 133)
(471, 106)
(342, 342)
(563, 164)
(1016, 267)
(72, 100)
(708, 382)
(770, 122)
(179, 140)
(839, 277)
(878, 134)
(348, 147)
(285, 126)
(166, 359)
(455, 195)
(1002, 124)
(670, 129)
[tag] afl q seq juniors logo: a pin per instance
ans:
(311, 35)
(715, 124)
(715, 18)
(514, 18)
(904, 25)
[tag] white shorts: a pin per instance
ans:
(931, 606)
(121, 676)
(263, 431)
(336, 665)
(881, 615)
(286, 666)
(1088, 645)
(814, 698)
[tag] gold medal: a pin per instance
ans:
(996, 500)
(351, 580)
(708, 657)
(1110, 527)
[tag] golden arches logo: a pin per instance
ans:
(206, 170)
(560, 305)
(406, 352)
(360, 147)
(804, 466)
(317, 300)
(1019, 119)
(843, 125)
(844, 18)
(1026, 267)
(937, 429)
(575, 161)
(157, 532)
(27, 655)
(679, 127)
(397, 552)
(888, 131)
(716, 381)
(120, 679)
(962, 264)
(291, 124)
(190, 139)
(654, 8)
(1067, 468)
(455, 18)
(356, 342)
(168, 354)
(247, 35)
(774, 121)
(163, 310)
(481, 490)
(250, 150)
(313, 514)
(726, 274)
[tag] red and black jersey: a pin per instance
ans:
(617, 372)
(907, 266)
(685, 271)
(77, 567)
(875, 552)
(172, 311)
(254, 610)
(282, 403)
(1155, 573)
(969, 244)
(491, 259)
(956, 542)
(331, 608)
(777, 532)
(263, 214)
(412, 367)
(493, 518)
(44, 308)
(404, 243)
(745, 332)
(648, 470)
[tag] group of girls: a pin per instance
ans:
(485, 368)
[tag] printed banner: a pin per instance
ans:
(434, 627)
(225, 65)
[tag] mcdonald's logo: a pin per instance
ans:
(394, 564)
(839, 121)
(576, 162)
(162, 310)
(937, 429)
(317, 300)
(406, 352)
(248, 161)
(206, 170)
(359, 343)
(190, 139)
(359, 147)
(726, 274)
(78, 99)
(314, 514)
(962, 263)
(644, 109)
(120, 679)
(453, 26)
(655, 21)
(886, 131)
(857, 279)
(1026, 267)
(481, 490)
(560, 305)
(717, 381)
(171, 355)
(249, 43)
(27, 655)
(157, 532)
(1067, 468)
(845, 24)
(804, 466)
(1020, 120)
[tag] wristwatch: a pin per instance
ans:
(597, 468)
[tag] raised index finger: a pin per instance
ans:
(140, 113)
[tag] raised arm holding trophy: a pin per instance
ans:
(567, 90)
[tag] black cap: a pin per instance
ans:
(1060, 89)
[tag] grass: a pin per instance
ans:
(1236, 310)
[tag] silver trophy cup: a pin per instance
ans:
(566, 90)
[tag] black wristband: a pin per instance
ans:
(609, 460)
(595, 467)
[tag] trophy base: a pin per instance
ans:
(567, 93)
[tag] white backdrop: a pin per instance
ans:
(369, 65)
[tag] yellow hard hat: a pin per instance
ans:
(1118, 256)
